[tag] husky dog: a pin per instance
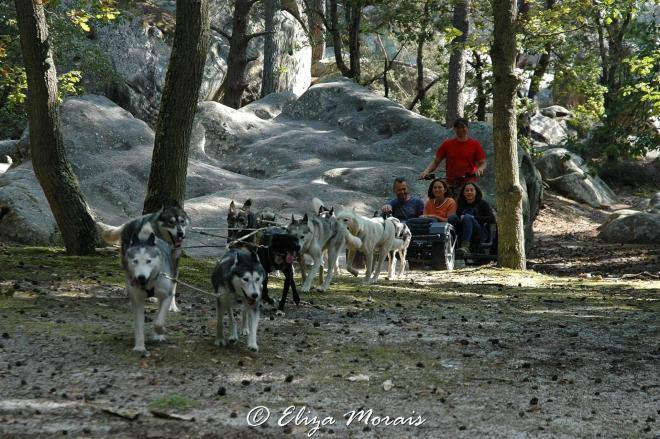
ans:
(278, 251)
(317, 234)
(378, 239)
(238, 279)
(169, 224)
(402, 233)
(241, 222)
(148, 266)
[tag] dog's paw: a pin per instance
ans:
(253, 348)
(279, 313)
(141, 350)
(232, 340)
(353, 271)
(159, 337)
(152, 299)
(174, 308)
(220, 342)
(245, 331)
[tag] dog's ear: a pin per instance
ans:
(332, 211)
(232, 207)
(321, 209)
(247, 204)
(135, 240)
(305, 219)
(151, 240)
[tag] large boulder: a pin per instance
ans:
(338, 142)
(630, 226)
(546, 129)
(567, 173)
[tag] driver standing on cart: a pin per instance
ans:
(464, 157)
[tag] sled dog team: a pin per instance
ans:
(151, 249)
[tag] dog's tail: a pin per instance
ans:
(352, 241)
(318, 204)
(110, 234)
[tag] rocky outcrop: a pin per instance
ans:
(566, 172)
(632, 226)
(338, 142)
(549, 125)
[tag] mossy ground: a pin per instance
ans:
(476, 352)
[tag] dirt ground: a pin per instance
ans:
(569, 349)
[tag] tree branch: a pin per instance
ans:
(423, 92)
(248, 37)
(221, 32)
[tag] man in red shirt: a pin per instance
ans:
(464, 156)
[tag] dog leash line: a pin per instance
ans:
(175, 280)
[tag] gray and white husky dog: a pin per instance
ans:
(316, 235)
(237, 280)
(169, 224)
(148, 266)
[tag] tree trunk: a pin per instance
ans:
(482, 98)
(316, 29)
(51, 167)
(355, 13)
(336, 39)
(270, 71)
(456, 83)
(169, 165)
(539, 71)
(237, 60)
(507, 185)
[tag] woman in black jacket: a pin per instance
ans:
(472, 215)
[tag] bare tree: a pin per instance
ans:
(507, 184)
(51, 167)
(167, 179)
(456, 83)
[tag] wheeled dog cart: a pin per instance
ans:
(432, 245)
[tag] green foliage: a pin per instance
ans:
(68, 40)
(646, 86)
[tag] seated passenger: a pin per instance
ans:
(404, 206)
(438, 206)
(472, 214)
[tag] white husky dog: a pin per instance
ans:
(378, 239)
(148, 265)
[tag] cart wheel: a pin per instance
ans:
(442, 255)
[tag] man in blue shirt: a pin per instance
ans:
(404, 207)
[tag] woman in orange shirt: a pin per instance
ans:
(438, 206)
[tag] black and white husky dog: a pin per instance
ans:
(168, 224)
(148, 266)
(237, 280)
